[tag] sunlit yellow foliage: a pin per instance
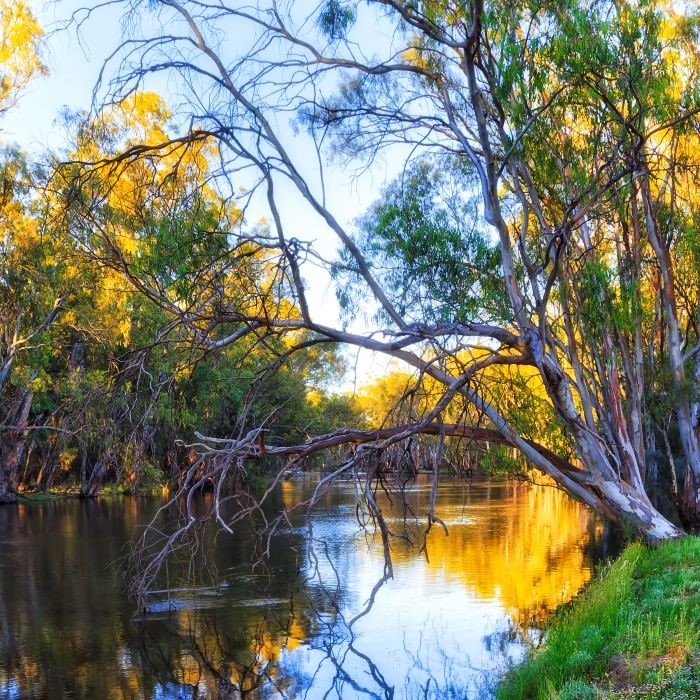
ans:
(384, 396)
(517, 390)
(19, 50)
(142, 120)
(151, 206)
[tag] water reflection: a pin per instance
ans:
(441, 628)
(202, 666)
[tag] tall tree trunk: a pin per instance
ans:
(694, 496)
(691, 486)
(614, 468)
(50, 461)
(690, 500)
(599, 485)
(90, 488)
(12, 449)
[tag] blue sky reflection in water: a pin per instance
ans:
(514, 552)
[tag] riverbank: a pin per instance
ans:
(72, 491)
(633, 634)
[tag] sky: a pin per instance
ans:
(74, 59)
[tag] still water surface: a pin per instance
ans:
(444, 627)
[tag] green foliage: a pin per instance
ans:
(595, 282)
(178, 242)
(499, 460)
(113, 401)
(425, 245)
(607, 303)
(578, 103)
(336, 19)
(149, 477)
(576, 690)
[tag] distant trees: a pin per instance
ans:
(29, 303)
(534, 266)
(539, 250)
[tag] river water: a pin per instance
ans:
(453, 617)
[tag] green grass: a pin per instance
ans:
(634, 633)
(115, 490)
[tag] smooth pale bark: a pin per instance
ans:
(617, 474)
(694, 497)
(690, 500)
(616, 487)
(695, 405)
(634, 510)
(90, 487)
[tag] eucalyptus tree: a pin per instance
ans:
(30, 303)
(20, 62)
(571, 128)
(26, 311)
(153, 244)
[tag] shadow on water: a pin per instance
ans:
(446, 626)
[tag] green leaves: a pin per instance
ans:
(177, 245)
(425, 243)
(336, 19)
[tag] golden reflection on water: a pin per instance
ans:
(523, 545)
(525, 549)
(513, 547)
(207, 662)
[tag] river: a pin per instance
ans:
(453, 617)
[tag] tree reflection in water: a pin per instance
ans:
(313, 653)
(442, 628)
(200, 665)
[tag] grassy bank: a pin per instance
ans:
(633, 633)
